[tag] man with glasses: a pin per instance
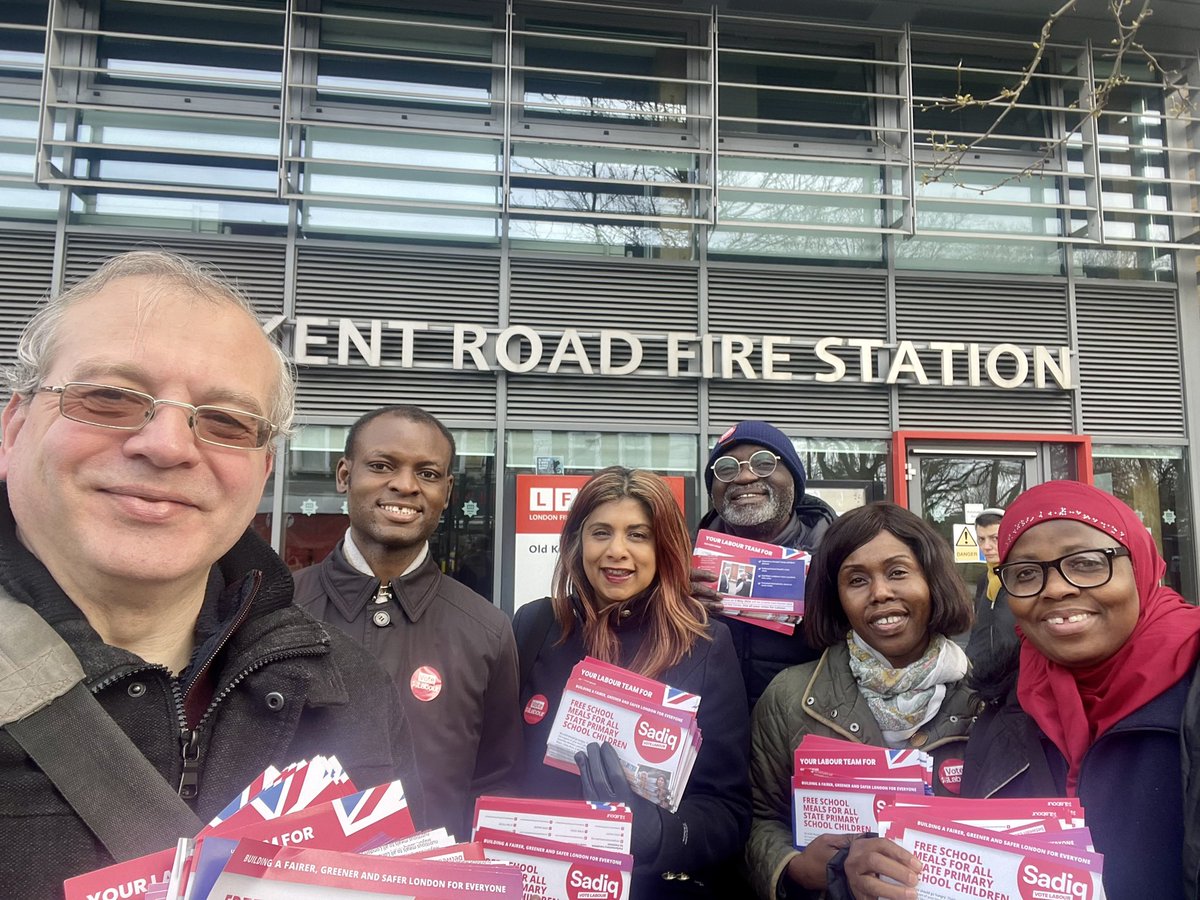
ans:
(756, 482)
(135, 450)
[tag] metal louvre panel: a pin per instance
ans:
(987, 312)
(365, 285)
(26, 269)
(1129, 361)
(803, 407)
(985, 408)
(535, 400)
(800, 305)
(373, 284)
(350, 392)
(629, 295)
(641, 298)
(257, 268)
(644, 298)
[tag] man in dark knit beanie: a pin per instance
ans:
(763, 500)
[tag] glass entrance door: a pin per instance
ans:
(948, 485)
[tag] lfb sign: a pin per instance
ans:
(551, 499)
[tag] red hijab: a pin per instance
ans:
(1074, 706)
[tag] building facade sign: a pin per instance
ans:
(321, 340)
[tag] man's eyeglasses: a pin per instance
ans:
(761, 463)
(127, 410)
(1083, 569)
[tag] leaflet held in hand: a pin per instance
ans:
(651, 725)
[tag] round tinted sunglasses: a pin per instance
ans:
(761, 464)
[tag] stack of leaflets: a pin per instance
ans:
(566, 849)
(304, 831)
(1011, 849)
(651, 725)
(834, 784)
(760, 583)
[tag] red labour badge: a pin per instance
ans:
(535, 709)
(426, 683)
(950, 775)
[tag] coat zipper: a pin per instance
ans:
(189, 738)
(189, 782)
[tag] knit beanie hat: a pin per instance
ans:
(752, 432)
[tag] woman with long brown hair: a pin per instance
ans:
(622, 594)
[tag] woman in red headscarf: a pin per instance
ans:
(1107, 656)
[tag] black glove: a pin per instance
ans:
(604, 782)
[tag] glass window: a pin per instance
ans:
(782, 85)
(1131, 146)
(166, 150)
(195, 214)
(605, 74)
(846, 460)
(603, 182)
(372, 54)
(187, 44)
(799, 208)
(345, 219)
(582, 452)
(1155, 482)
(23, 39)
(315, 513)
(1142, 263)
(967, 254)
(649, 240)
(20, 198)
(939, 76)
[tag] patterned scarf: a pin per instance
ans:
(902, 700)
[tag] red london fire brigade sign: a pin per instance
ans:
(542, 505)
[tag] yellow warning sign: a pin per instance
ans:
(966, 547)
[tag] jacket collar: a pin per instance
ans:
(810, 519)
(350, 590)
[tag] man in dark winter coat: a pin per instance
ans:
(450, 651)
(756, 482)
(995, 631)
(136, 446)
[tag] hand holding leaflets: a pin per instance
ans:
(941, 847)
(651, 726)
(760, 583)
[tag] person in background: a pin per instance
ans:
(136, 446)
(994, 633)
(622, 594)
(1101, 708)
(882, 598)
(450, 652)
(756, 482)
